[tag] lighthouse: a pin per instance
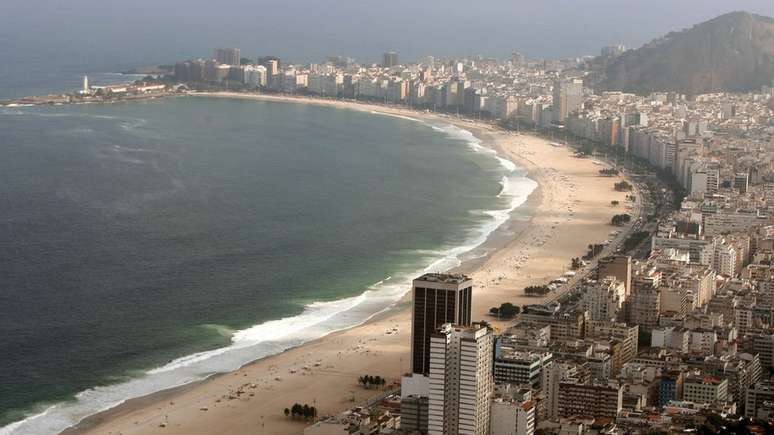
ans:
(85, 85)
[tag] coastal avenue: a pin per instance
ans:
(610, 249)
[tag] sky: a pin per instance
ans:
(139, 32)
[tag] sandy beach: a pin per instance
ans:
(570, 209)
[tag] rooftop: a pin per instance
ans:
(446, 278)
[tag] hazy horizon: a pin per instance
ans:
(108, 33)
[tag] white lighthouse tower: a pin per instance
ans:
(85, 89)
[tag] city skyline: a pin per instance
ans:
(546, 30)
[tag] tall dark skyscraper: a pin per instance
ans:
(227, 56)
(438, 299)
(389, 59)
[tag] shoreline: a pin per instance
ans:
(399, 307)
(142, 414)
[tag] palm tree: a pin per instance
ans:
(307, 412)
(287, 412)
(378, 381)
(383, 382)
(313, 412)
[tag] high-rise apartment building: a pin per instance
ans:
(461, 381)
(513, 418)
(272, 64)
(742, 182)
(255, 75)
(590, 399)
(438, 299)
(520, 367)
(568, 97)
(759, 400)
(626, 335)
(413, 414)
(698, 388)
(517, 59)
(227, 56)
(645, 300)
(390, 59)
(619, 266)
(603, 299)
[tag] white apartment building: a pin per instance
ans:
(732, 221)
(512, 418)
(461, 381)
(743, 318)
(725, 259)
(703, 341)
(704, 181)
(671, 338)
(603, 299)
(701, 250)
(255, 75)
(698, 388)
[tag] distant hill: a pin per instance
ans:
(734, 52)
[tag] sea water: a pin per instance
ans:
(150, 244)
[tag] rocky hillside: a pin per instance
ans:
(734, 52)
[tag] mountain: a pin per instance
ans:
(733, 52)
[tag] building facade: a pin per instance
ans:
(438, 299)
(461, 382)
(228, 56)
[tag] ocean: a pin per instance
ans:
(150, 244)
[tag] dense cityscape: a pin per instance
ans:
(671, 337)
(667, 327)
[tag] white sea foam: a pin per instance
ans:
(474, 143)
(395, 115)
(317, 319)
(127, 123)
(9, 110)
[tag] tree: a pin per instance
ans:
(508, 310)
(635, 239)
(287, 412)
(296, 410)
(536, 290)
(378, 381)
(576, 263)
(621, 219)
(494, 311)
(614, 203)
(307, 412)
